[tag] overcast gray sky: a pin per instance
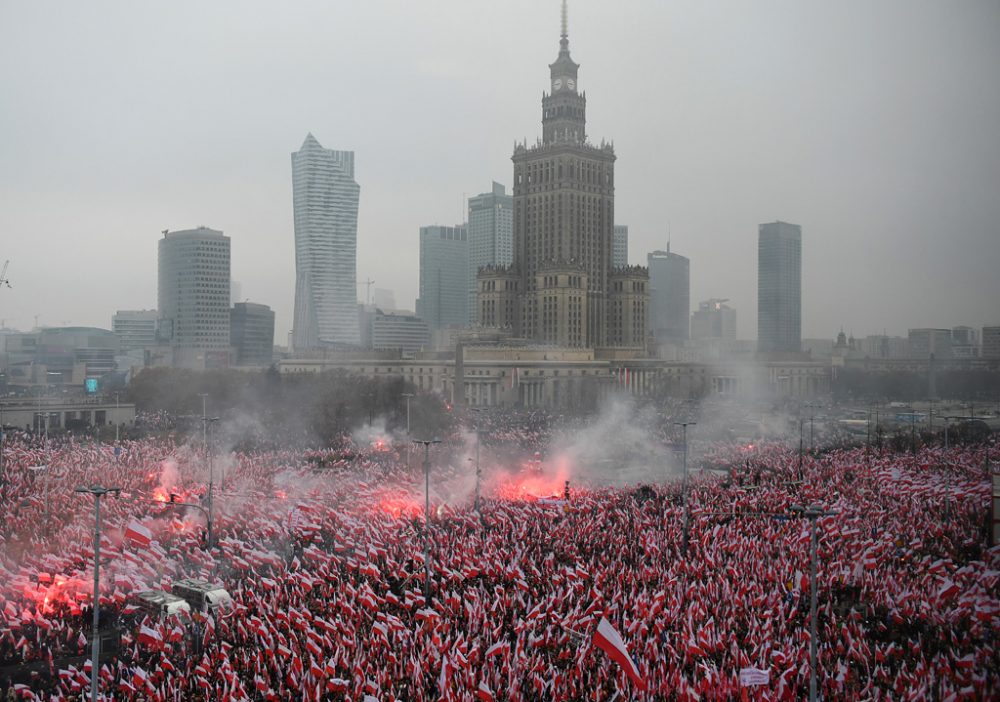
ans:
(873, 124)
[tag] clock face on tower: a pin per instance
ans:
(557, 83)
(570, 83)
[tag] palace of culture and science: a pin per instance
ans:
(562, 288)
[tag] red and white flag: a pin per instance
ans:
(484, 693)
(138, 534)
(149, 637)
(609, 641)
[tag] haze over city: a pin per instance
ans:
(872, 125)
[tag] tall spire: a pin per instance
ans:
(564, 35)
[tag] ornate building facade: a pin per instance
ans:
(563, 288)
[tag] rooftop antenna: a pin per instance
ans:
(565, 20)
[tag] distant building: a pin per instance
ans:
(779, 288)
(325, 199)
(491, 237)
(193, 297)
(991, 342)
(61, 355)
(384, 299)
(964, 342)
(406, 332)
(136, 329)
(924, 342)
(252, 334)
(564, 285)
(619, 246)
(714, 319)
(883, 346)
(444, 276)
(669, 297)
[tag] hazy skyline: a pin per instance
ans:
(872, 125)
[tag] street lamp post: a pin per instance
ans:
(427, 513)
(117, 408)
(812, 513)
(684, 484)
(95, 652)
(44, 469)
(478, 466)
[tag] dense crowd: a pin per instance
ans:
(323, 554)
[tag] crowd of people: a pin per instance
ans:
(326, 555)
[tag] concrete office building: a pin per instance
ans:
(252, 334)
(325, 200)
(619, 246)
(491, 237)
(669, 297)
(193, 297)
(924, 342)
(405, 332)
(444, 276)
(779, 288)
(135, 328)
(990, 342)
(714, 319)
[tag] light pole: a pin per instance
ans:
(117, 407)
(43, 469)
(478, 467)
(408, 395)
(95, 651)
(211, 480)
(684, 484)
(427, 513)
(812, 513)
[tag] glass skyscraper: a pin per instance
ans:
(325, 197)
(444, 276)
(779, 288)
(491, 236)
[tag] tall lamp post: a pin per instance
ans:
(117, 408)
(408, 395)
(43, 469)
(427, 513)
(478, 467)
(684, 484)
(812, 513)
(95, 652)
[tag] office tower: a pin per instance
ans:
(136, 329)
(444, 276)
(491, 236)
(669, 297)
(398, 331)
(927, 342)
(779, 288)
(193, 297)
(714, 319)
(562, 285)
(325, 198)
(252, 334)
(619, 247)
(991, 342)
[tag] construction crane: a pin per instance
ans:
(3, 274)
(368, 294)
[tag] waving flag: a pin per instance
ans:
(138, 534)
(608, 640)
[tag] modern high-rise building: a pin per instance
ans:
(398, 331)
(619, 246)
(491, 236)
(714, 319)
(325, 198)
(135, 328)
(252, 334)
(193, 297)
(444, 276)
(669, 297)
(779, 288)
(991, 342)
(562, 286)
(927, 342)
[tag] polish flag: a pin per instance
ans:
(138, 534)
(608, 640)
(484, 693)
(948, 590)
(149, 637)
(496, 649)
